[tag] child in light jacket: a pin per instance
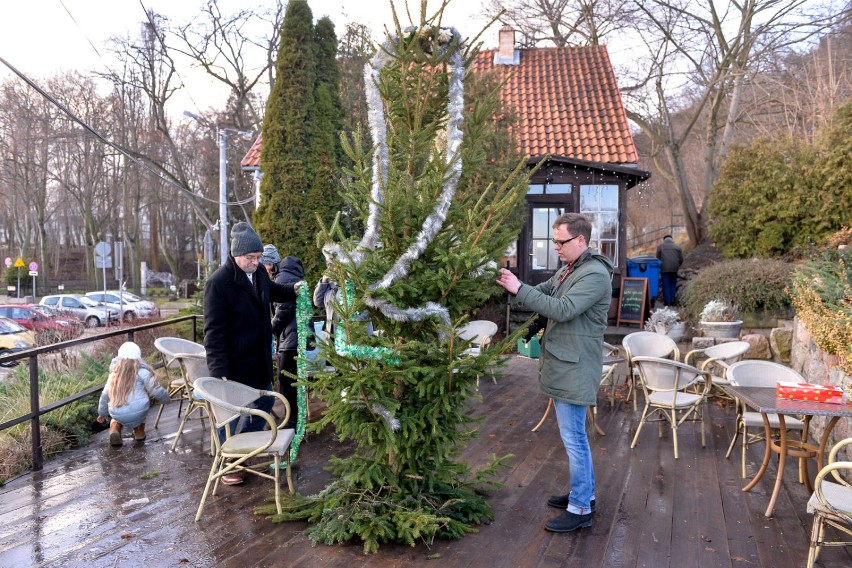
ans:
(127, 394)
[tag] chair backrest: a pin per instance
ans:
(478, 332)
(226, 398)
(169, 346)
(757, 373)
(193, 365)
(728, 352)
(649, 344)
(666, 375)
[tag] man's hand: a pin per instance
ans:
(297, 286)
(509, 281)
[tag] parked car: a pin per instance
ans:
(47, 329)
(73, 324)
(133, 306)
(14, 338)
(85, 309)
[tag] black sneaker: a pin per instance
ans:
(561, 502)
(567, 522)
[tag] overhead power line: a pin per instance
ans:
(126, 153)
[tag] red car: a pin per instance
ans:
(47, 328)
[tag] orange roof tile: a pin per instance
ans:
(251, 161)
(567, 102)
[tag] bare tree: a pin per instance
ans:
(688, 88)
(219, 44)
(563, 22)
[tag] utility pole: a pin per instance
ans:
(222, 142)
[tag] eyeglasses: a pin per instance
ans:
(252, 257)
(560, 244)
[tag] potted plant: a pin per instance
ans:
(666, 321)
(721, 319)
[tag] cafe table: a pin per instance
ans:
(608, 360)
(765, 401)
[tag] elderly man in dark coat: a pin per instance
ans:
(237, 320)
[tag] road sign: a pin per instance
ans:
(103, 255)
(19, 263)
(8, 261)
(33, 266)
(102, 249)
(33, 272)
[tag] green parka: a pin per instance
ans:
(576, 311)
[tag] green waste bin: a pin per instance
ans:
(531, 348)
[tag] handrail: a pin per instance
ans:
(36, 410)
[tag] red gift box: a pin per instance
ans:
(808, 391)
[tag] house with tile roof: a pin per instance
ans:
(570, 115)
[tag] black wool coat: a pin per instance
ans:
(290, 270)
(238, 325)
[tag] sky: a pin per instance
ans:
(41, 37)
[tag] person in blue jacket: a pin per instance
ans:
(127, 394)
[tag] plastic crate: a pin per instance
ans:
(530, 349)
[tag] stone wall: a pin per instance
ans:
(820, 368)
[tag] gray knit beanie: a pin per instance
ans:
(270, 255)
(244, 240)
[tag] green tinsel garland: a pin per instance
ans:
(343, 347)
(304, 321)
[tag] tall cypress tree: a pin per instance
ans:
(285, 156)
(426, 260)
(323, 199)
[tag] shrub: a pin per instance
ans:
(822, 295)
(752, 284)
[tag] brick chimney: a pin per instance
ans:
(506, 53)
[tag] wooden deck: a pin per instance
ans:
(134, 506)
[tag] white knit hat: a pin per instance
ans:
(129, 350)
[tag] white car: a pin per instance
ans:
(87, 310)
(132, 305)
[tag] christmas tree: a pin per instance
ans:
(434, 232)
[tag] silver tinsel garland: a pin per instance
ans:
(448, 38)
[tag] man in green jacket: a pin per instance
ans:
(575, 302)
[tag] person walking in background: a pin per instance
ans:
(284, 327)
(238, 323)
(127, 394)
(270, 259)
(575, 302)
(671, 257)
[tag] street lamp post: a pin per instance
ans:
(222, 142)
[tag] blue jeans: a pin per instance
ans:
(250, 423)
(572, 427)
(669, 287)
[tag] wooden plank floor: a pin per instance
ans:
(135, 505)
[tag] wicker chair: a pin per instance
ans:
(227, 402)
(177, 388)
(755, 373)
(718, 359)
(645, 344)
(669, 392)
(831, 502)
(193, 366)
(479, 333)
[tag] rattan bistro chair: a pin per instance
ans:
(228, 401)
(193, 366)
(177, 387)
(645, 344)
(718, 359)
(671, 393)
(831, 502)
(479, 333)
(757, 373)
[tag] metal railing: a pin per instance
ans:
(36, 410)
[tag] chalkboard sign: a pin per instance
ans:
(634, 302)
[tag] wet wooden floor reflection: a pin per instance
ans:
(135, 505)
